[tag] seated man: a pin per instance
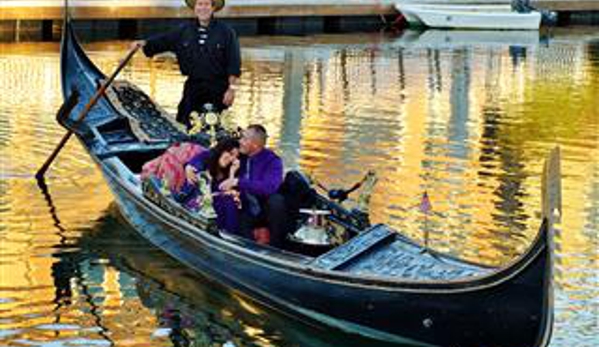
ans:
(260, 175)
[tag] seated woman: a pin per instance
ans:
(169, 168)
(221, 163)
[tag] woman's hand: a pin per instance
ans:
(228, 184)
(191, 174)
(234, 167)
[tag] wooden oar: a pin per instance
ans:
(40, 173)
(68, 106)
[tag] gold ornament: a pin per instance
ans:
(211, 118)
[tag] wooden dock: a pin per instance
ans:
(40, 19)
(567, 5)
(148, 9)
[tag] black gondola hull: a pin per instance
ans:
(481, 313)
(509, 307)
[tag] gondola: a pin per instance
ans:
(377, 283)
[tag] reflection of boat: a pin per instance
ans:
(378, 283)
(433, 38)
(192, 310)
(468, 16)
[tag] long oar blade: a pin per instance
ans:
(63, 113)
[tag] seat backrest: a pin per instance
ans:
(148, 121)
(297, 191)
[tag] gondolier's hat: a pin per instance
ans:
(217, 4)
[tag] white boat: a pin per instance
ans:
(452, 39)
(468, 16)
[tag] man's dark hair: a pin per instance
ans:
(260, 132)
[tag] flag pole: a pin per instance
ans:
(426, 231)
(425, 207)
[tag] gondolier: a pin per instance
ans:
(208, 54)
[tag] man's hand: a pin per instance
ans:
(138, 44)
(236, 197)
(228, 184)
(229, 96)
(191, 174)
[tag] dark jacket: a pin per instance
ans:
(207, 54)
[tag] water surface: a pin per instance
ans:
(465, 116)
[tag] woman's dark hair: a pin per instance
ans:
(225, 145)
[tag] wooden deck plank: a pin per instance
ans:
(145, 9)
(567, 5)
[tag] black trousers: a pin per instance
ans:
(197, 93)
(273, 216)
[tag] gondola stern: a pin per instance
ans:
(537, 264)
(542, 250)
(551, 193)
(528, 281)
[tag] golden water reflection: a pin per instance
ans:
(468, 120)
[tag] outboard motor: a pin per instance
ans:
(521, 6)
(524, 6)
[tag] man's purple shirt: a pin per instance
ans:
(261, 174)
